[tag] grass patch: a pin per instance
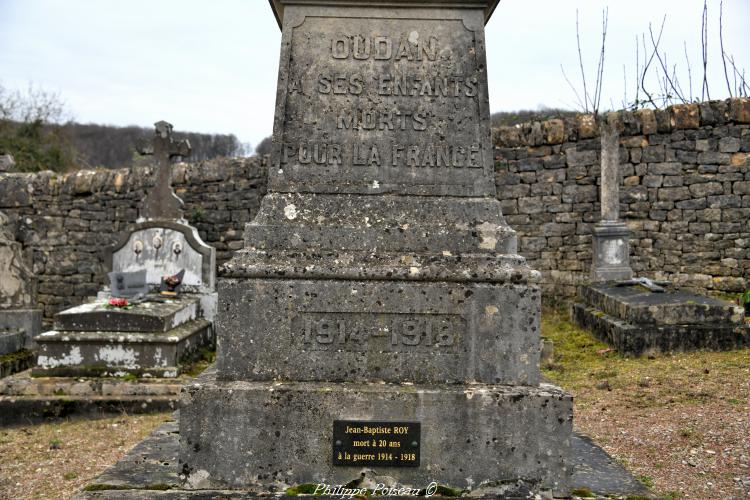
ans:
(586, 366)
(202, 360)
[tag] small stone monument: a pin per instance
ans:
(131, 328)
(20, 320)
(641, 316)
(611, 237)
(378, 320)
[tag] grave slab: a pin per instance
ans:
(102, 353)
(635, 320)
(156, 314)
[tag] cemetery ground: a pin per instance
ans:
(678, 422)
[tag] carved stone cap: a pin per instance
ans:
(487, 5)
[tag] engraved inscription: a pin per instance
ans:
(440, 333)
(377, 105)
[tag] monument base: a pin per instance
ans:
(611, 257)
(265, 434)
(635, 320)
(151, 467)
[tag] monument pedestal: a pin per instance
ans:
(611, 256)
(281, 432)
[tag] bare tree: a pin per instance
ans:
(590, 103)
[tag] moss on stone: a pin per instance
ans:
(13, 357)
(302, 489)
(105, 487)
(582, 492)
(447, 491)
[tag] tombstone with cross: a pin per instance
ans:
(161, 202)
(151, 333)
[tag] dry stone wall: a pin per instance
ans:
(685, 196)
(66, 222)
(685, 193)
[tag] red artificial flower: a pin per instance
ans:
(117, 302)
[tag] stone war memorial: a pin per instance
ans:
(379, 321)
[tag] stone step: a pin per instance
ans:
(148, 316)
(101, 353)
(26, 410)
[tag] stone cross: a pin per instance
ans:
(161, 202)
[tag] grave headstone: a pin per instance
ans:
(20, 320)
(152, 335)
(379, 316)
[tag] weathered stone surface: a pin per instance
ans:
(587, 126)
(27, 320)
(161, 203)
(611, 252)
(163, 248)
(17, 282)
(372, 105)
(147, 316)
(356, 297)
(153, 463)
(101, 353)
(639, 339)
(359, 331)
(6, 162)
(685, 116)
(637, 305)
(11, 341)
(740, 109)
(504, 432)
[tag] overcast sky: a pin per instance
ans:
(211, 66)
